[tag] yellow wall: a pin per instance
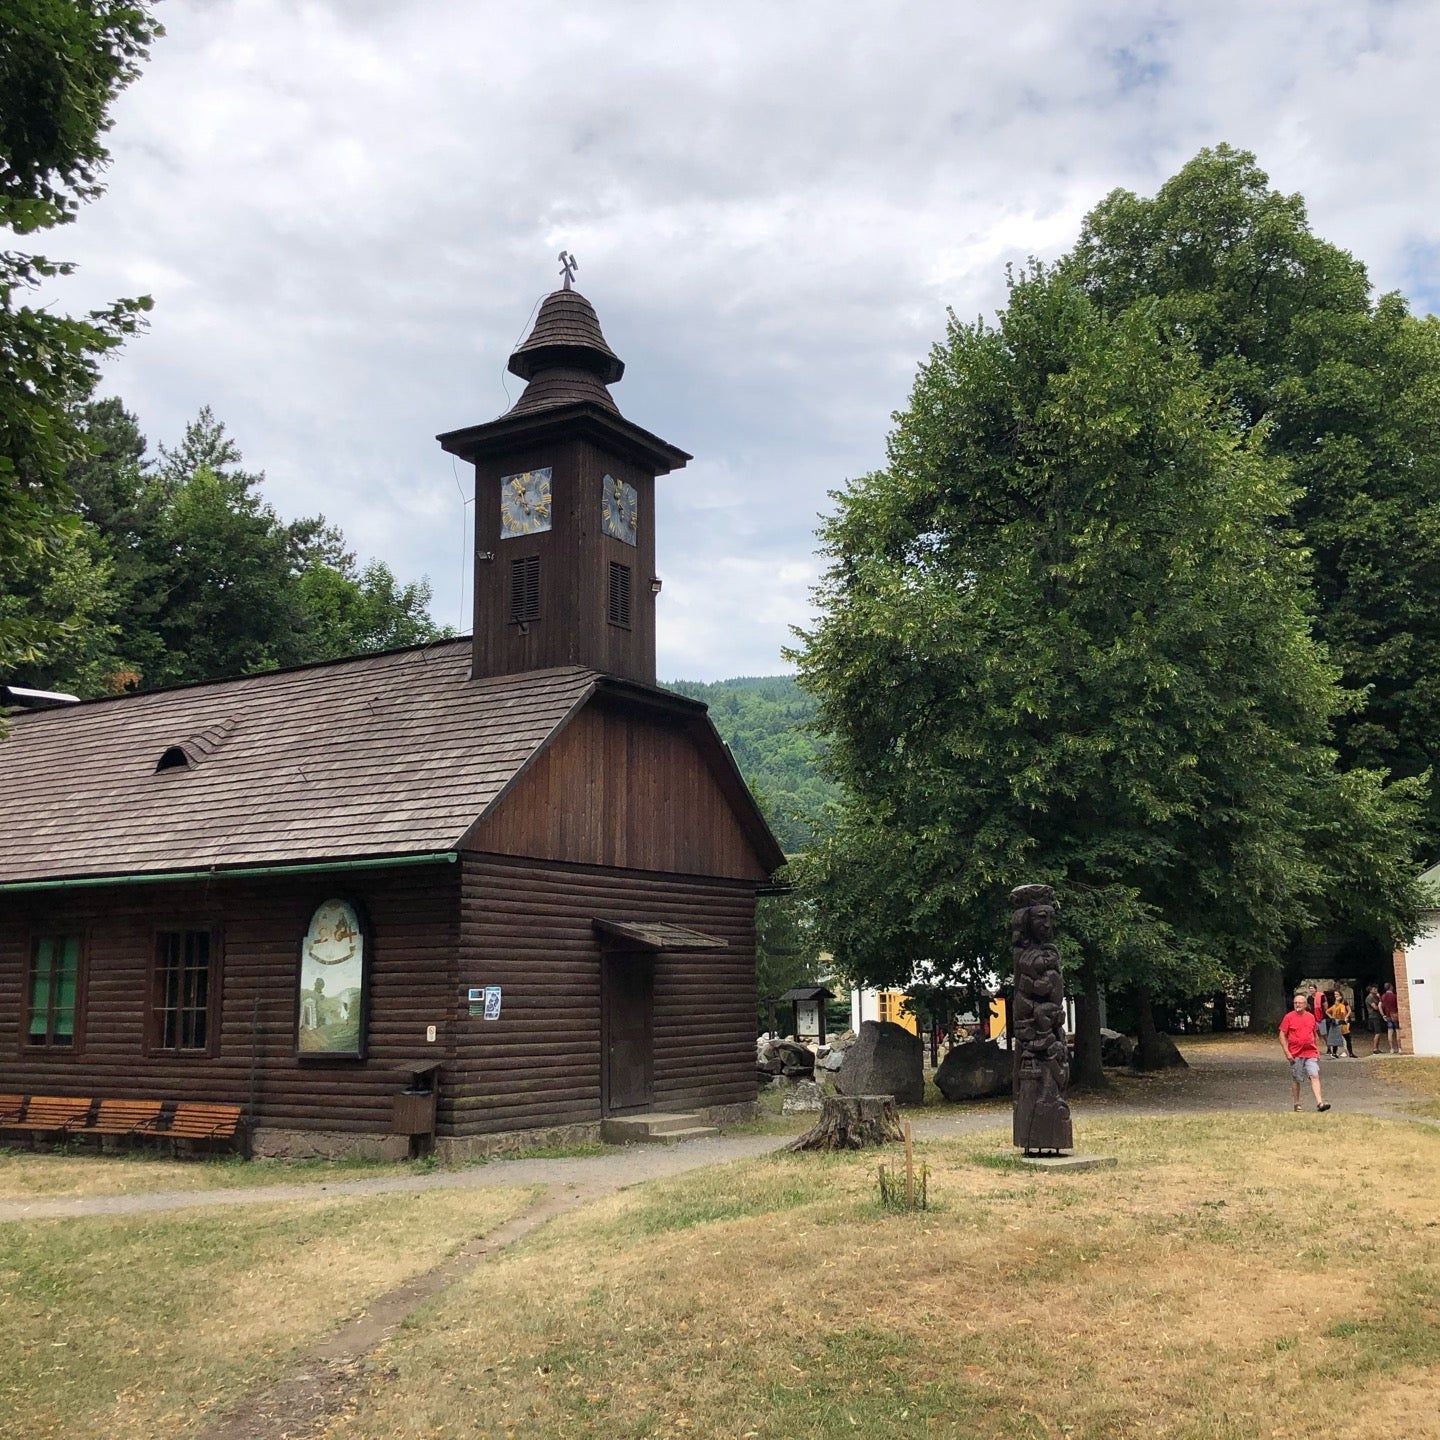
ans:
(891, 1003)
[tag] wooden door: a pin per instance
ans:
(629, 1058)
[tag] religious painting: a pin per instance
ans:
(619, 509)
(524, 503)
(331, 1015)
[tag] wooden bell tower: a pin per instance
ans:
(565, 510)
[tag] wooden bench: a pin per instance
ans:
(53, 1114)
(193, 1120)
(125, 1117)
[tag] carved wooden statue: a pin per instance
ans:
(1042, 1056)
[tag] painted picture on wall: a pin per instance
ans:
(332, 983)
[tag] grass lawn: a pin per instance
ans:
(1196, 1291)
(138, 1327)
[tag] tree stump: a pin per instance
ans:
(853, 1122)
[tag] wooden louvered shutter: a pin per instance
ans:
(525, 588)
(617, 608)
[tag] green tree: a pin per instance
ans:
(207, 580)
(1342, 387)
(1062, 638)
(351, 611)
(62, 63)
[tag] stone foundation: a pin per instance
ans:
(736, 1113)
(273, 1143)
(453, 1149)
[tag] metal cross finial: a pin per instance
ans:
(568, 266)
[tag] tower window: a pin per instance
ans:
(525, 588)
(617, 607)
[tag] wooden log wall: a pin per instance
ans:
(412, 914)
(527, 926)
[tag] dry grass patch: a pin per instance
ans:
(139, 1327)
(1184, 1294)
(32, 1174)
(1414, 1077)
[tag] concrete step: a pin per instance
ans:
(654, 1129)
(692, 1132)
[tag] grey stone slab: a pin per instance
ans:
(1069, 1162)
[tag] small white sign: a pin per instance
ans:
(492, 1002)
(430, 1033)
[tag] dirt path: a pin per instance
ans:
(626, 1165)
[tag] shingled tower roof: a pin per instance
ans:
(566, 358)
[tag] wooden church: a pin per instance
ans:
(475, 891)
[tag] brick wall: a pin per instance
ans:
(1402, 993)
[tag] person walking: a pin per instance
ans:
(1297, 1040)
(1390, 1009)
(1374, 1018)
(1337, 1015)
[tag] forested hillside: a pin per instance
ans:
(765, 721)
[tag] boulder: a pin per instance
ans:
(974, 1071)
(1115, 1048)
(885, 1059)
(795, 1058)
(1161, 1054)
(832, 1061)
(803, 1097)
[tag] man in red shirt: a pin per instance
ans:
(1390, 1011)
(1297, 1040)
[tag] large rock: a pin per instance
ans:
(833, 1061)
(803, 1097)
(1161, 1054)
(974, 1071)
(885, 1059)
(1115, 1048)
(783, 1057)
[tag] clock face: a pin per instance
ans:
(524, 503)
(619, 510)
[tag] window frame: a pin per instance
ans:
(49, 931)
(154, 1037)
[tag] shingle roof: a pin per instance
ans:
(377, 755)
(567, 332)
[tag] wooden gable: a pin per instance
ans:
(633, 787)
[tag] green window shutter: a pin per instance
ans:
(41, 962)
(67, 974)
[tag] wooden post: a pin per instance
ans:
(909, 1170)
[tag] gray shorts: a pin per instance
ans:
(1300, 1069)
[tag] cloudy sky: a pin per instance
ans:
(346, 211)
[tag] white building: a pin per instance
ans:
(1417, 980)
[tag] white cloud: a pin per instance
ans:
(345, 212)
